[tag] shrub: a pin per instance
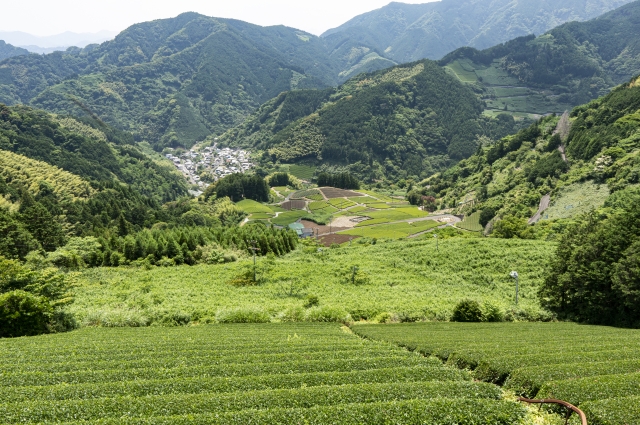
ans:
(311, 301)
(511, 227)
(327, 314)
(292, 314)
(23, 314)
(385, 318)
(486, 216)
(467, 311)
(492, 313)
(354, 275)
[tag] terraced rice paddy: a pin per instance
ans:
(594, 368)
(236, 374)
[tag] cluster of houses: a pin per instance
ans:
(216, 163)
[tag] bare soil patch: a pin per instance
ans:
(294, 205)
(329, 240)
(344, 222)
(332, 193)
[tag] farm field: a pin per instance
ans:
(393, 214)
(577, 199)
(595, 368)
(408, 279)
(286, 218)
(471, 223)
(304, 172)
(238, 374)
(393, 231)
(503, 90)
(311, 204)
(251, 207)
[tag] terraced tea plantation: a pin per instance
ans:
(236, 374)
(595, 368)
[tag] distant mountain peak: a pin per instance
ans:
(408, 32)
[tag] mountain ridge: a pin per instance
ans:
(8, 51)
(173, 59)
(408, 32)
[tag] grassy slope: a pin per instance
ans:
(405, 277)
(602, 151)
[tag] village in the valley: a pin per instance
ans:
(202, 166)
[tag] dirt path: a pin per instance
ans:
(545, 202)
(562, 152)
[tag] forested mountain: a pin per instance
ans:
(565, 67)
(409, 32)
(410, 120)
(77, 194)
(171, 82)
(9, 51)
(61, 177)
(578, 159)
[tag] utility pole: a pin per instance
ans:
(254, 249)
(514, 275)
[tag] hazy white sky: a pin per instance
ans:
(49, 17)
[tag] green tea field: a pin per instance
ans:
(408, 280)
(595, 368)
(238, 374)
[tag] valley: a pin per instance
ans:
(427, 215)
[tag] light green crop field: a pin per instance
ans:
(356, 210)
(595, 368)
(393, 214)
(251, 207)
(363, 199)
(405, 277)
(379, 196)
(322, 207)
(260, 216)
(465, 75)
(393, 231)
(471, 223)
(315, 197)
(495, 75)
(577, 199)
(286, 218)
(318, 205)
(303, 172)
(341, 203)
(237, 374)
(379, 206)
